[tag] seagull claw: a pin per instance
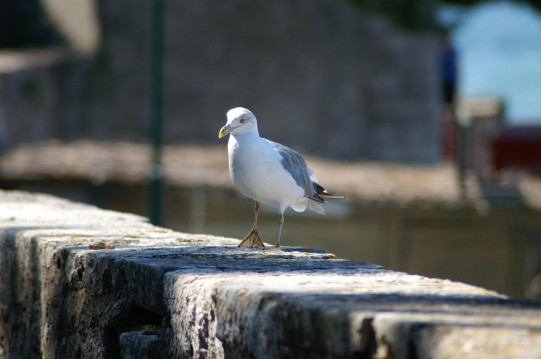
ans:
(252, 240)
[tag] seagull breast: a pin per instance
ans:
(257, 171)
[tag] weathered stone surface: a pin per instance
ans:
(161, 293)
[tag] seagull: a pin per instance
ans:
(268, 172)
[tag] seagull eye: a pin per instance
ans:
(243, 120)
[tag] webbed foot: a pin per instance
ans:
(252, 240)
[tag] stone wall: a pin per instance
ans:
(42, 95)
(326, 77)
(77, 281)
(321, 75)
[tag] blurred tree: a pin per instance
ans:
(23, 24)
(415, 15)
(418, 15)
(535, 3)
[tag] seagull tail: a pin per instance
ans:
(316, 207)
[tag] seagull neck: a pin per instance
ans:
(246, 135)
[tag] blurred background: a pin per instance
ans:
(425, 114)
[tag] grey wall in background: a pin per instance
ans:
(322, 76)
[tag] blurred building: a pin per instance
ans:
(327, 77)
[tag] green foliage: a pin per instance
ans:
(536, 4)
(417, 15)
(412, 15)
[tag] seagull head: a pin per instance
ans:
(239, 121)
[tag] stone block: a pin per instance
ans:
(159, 293)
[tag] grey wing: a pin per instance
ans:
(293, 163)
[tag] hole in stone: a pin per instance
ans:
(134, 319)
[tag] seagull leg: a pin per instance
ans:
(252, 239)
(280, 224)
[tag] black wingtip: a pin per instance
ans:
(322, 192)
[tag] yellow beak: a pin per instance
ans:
(223, 131)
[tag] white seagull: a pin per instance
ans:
(268, 172)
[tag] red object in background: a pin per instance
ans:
(518, 146)
(449, 137)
